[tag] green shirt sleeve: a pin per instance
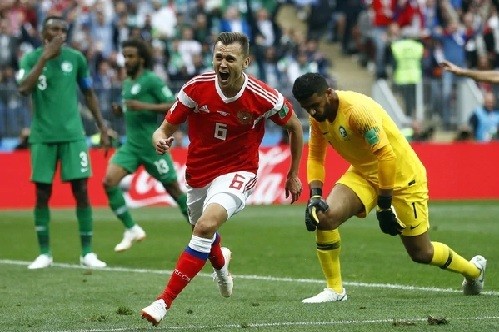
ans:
(25, 67)
(161, 91)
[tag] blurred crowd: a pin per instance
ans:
(181, 35)
(465, 32)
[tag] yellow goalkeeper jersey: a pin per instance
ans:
(366, 137)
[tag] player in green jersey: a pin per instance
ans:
(52, 74)
(145, 96)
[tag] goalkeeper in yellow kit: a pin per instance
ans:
(385, 173)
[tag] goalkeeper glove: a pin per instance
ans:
(315, 203)
(387, 217)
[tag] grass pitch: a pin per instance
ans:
(274, 267)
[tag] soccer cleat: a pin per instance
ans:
(136, 233)
(154, 312)
(475, 286)
(223, 276)
(327, 295)
(41, 262)
(91, 260)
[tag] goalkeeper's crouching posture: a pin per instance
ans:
(384, 174)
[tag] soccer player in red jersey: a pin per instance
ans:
(226, 111)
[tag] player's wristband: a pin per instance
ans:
(384, 202)
(315, 192)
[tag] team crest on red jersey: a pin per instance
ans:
(244, 117)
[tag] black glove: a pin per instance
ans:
(315, 203)
(387, 217)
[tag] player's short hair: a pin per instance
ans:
(143, 50)
(49, 20)
(228, 38)
(308, 84)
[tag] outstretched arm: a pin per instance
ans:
(488, 76)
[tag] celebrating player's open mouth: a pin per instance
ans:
(223, 77)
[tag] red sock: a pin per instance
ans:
(216, 258)
(189, 264)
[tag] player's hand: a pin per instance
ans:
(387, 217)
(293, 188)
(389, 222)
(449, 66)
(117, 109)
(53, 47)
(105, 140)
(163, 145)
(315, 204)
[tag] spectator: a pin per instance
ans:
(163, 20)
(233, 22)
(383, 12)
(101, 32)
(188, 48)
(406, 55)
(8, 45)
(484, 121)
(452, 41)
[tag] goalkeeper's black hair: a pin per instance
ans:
(143, 50)
(228, 38)
(308, 84)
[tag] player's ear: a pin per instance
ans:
(246, 62)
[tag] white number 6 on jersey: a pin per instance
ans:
(221, 131)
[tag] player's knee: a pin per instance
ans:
(43, 194)
(334, 218)
(109, 182)
(80, 192)
(421, 256)
(205, 227)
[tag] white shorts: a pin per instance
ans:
(230, 191)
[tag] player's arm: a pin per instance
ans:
(50, 50)
(93, 105)
(295, 132)
(281, 113)
(135, 105)
(162, 138)
(366, 124)
(163, 95)
(85, 84)
(489, 76)
(315, 176)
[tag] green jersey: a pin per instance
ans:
(140, 124)
(56, 117)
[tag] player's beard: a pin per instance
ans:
(320, 117)
(132, 71)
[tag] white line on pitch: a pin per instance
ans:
(280, 324)
(257, 277)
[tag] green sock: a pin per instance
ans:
(42, 219)
(84, 216)
(118, 205)
(182, 204)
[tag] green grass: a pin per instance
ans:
(274, 265)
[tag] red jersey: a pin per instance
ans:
(225, 133)
(383, 12)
